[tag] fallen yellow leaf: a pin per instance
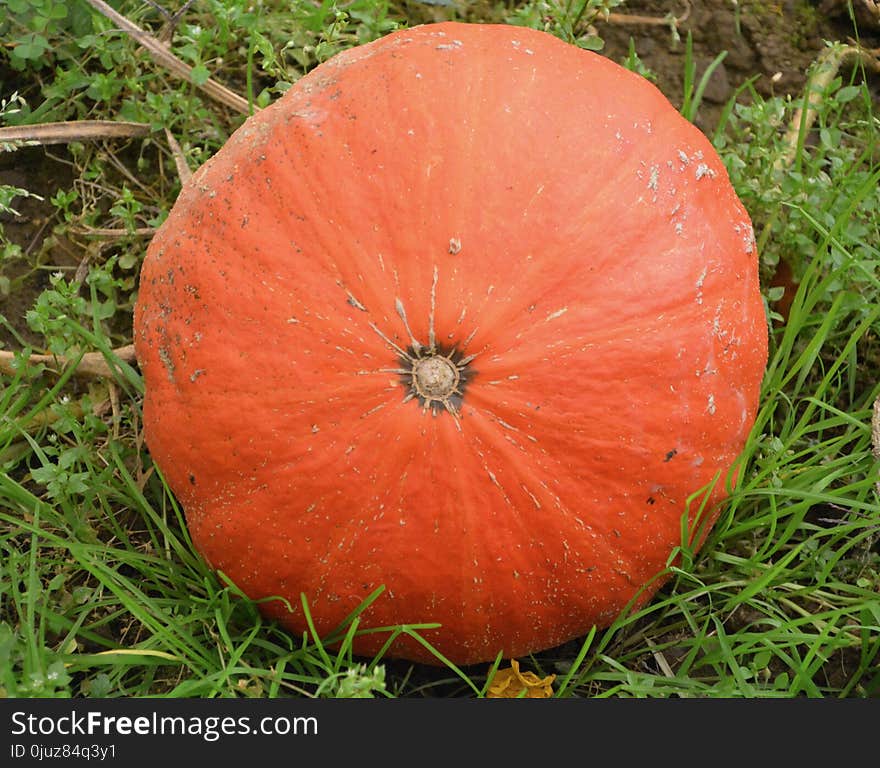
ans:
(510, 683)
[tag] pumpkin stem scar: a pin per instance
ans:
(433, 374)
(436, 377)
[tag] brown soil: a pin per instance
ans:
(771, 42)
(32, 230)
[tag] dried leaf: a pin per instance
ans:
(510, 683)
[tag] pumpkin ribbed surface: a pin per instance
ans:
(468, 313)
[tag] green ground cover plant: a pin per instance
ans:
(101, 592)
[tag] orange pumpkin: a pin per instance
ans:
(469, 313)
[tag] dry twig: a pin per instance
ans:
(77, 130)
(633, 19)
(111, 233)
(827, 66)
(183, 170)
(90, 365)
(177, 67)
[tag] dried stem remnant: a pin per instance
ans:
(91, 364)
(825, 70)
(75, 130)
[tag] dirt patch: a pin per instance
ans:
(771, 44)
(42, 251)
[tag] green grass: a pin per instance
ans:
(101, 593)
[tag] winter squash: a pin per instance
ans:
(470, 314)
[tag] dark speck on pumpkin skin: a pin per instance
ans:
(671, 454)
